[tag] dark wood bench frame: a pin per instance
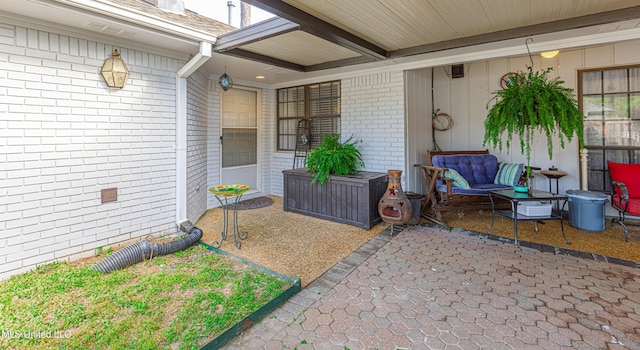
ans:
(440, 202)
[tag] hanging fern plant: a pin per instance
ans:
(334, 158)
(532, 102)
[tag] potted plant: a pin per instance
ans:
(332, 188)
(334, 157)
(532, 102)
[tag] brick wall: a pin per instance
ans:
(197, 114)
(373, 112)
(268, 135)
(213, 141)
(66, 136)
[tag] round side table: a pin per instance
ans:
(553, 174)
(226, 192)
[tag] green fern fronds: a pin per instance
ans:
(531, 103)
(333, 157)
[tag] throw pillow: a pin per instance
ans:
(508, 174)
(458, 180)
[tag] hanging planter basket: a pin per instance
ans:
(529, 104)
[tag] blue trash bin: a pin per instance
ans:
(586, 210)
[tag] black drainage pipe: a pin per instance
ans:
(143, 250)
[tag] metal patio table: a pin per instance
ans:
(227, 192)
(532, 196)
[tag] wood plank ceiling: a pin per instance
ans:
(313, 35)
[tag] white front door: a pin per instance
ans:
(240, 138)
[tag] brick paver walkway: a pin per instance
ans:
(427, 288)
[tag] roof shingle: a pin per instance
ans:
(189, 19)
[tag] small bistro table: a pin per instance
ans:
(554, 174)
(233, 192)
(516, 197)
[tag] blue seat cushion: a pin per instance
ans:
(477, 189)
(475, 168)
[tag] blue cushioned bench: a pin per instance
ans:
(479, 170)
(459, 180)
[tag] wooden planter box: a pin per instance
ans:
(349, 200)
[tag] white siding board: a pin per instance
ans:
(459, 108)
(599, 56)
(418, 116)
(442, 101)
(567, 159)
(479, 95)
(626, 52)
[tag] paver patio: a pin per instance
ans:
(428, 288)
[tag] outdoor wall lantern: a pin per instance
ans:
(225, 82)
(114, 71)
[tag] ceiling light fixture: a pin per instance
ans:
(259, 76)
(550, 54)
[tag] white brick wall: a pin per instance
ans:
(213, 141)
(373, 112)
(279, 161)
(65, 136)
(268, 97)
(197, 111)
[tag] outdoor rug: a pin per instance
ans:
(255, 203)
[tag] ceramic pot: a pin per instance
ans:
(416, 204)
(394, 206)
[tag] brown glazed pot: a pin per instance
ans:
(394, 206)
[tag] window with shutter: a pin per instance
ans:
(319, 103)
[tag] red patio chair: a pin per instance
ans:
(625, 192)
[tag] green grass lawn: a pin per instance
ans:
(176, 301)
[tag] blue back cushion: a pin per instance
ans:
(475, 168)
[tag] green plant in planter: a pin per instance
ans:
(533, 102)
(333, 157)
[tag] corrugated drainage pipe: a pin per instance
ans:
(145, 250)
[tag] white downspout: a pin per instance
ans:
(181, 129)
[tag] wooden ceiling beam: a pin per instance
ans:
(339, 63)
(320, 28)
(266, 29)
(536, 29)
(265, 59)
